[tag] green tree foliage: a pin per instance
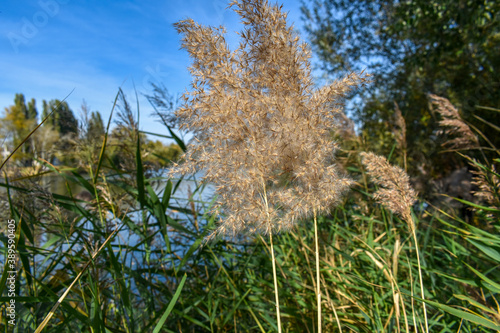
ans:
(96, 125)
(90, 136)
(63, 139)
(63, 120)
(18, 120)
(29, 110)
(159, 154)
(412, 48)
(91, 124)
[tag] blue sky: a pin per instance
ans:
(50, 47)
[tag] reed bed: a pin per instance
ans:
(165, 278)
(133, 257)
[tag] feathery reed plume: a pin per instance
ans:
(345, 129)
(454, 124)
(398, 196)
(262, 132)
(400, 130)
(488, 184)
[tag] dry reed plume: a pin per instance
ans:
(454, 124)
(398, 196)
(400, 131)
(488, 183)
(262, 132)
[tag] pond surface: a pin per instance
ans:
(126, 238)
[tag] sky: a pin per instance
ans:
(88, 49)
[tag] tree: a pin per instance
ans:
(47, 143)
(19, 119)
(63, 120)
(91, 124)
(412, 48)
(90, 137)
(96, 125)
(29, 110)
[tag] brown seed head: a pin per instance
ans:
(262, 132)
(488, 184)
(454, 124)
(400, 131)
(396, 193)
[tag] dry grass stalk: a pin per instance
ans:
(318, 279)
(262, 131)
(398, 196)
(454, 124)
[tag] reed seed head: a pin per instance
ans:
(396, 193)
(400, 131)
(262, 132)
(454, 124)
(488, 184)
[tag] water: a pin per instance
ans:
(126, 239)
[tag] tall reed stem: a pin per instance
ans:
(318, 291)
(273, 258)
(420, 274)
(275, 278)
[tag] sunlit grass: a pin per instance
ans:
(133, 257)
(367, 259)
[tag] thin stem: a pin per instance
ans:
(275, 283)
(420, 278)
(414, 316)
(275, 278)
(409, 219)
(333, 308)
(318, 291)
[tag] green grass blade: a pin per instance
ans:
(119, 278)
(489, 251)
(170, 305)
(491, 285)
(172, 134)
(105, 140)
(233, 310)
(156, 134)
(140, 174)
(159, 210)
(475, 303)
(61, 299)
(464, 315)
(488, 209)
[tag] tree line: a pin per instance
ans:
(64, 139)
